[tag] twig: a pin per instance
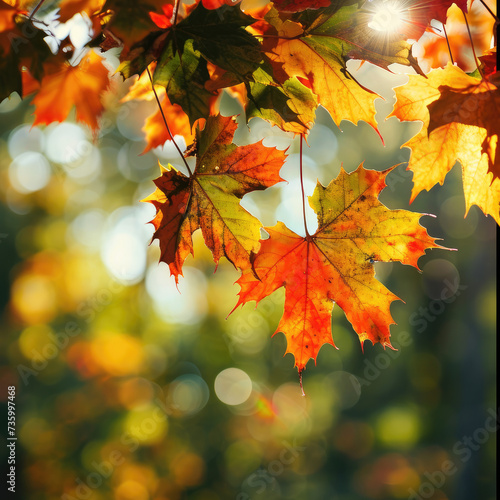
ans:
(490, 11)
(34, 11)
(448, 43)
(166, 124)
(176, 10)
(300, 382)
(472, 46)
(302, 187)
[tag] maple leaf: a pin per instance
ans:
(7, 15)
(435, 48)
(210, 50)
(477, 106)
(489, 62)
(65, 86)
(209, 198)
(316, 47)
(130, 20)
(299, 5)
(460, 122)
(156, 132)
(290, 105)
(184, 74)
(414, 17)
(163, 21)
(181, 70)
(182, 52)
(68, 8)
(216, 4)
(438, 9)
(22, 45)
(218, 35)
(221, 38)
(142, 89)
(10, 81)
(335, 265)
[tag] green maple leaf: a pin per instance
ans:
(221, 38)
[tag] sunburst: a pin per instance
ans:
(400, 18)
(387, 17)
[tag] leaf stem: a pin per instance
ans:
(279, 37)
(472, 46)
(496, 35)
(35, 10)
(490, 11)
(300, 382)
(174, 26)
(166, 123)
(448, 43)
(176, 10)
(302, 187)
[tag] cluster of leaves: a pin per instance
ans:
(280, 60)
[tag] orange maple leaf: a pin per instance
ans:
(336, 264)
(8, 15)
(460, 122)
(436, 54)
(65, 86)
(209, 199)
(164, 20)
(156, 131)
(23, 5)
(435, 47)
(68, 8)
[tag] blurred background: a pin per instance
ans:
(130, 389)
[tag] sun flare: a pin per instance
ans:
(387, 17)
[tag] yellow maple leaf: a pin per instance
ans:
(457, 132)
(317, 51)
